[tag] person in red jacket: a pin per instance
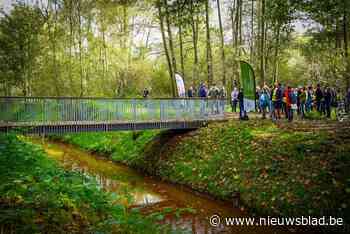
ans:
(288, 101)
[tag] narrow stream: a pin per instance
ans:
(152, 195)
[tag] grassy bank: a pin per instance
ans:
(38, 196)
(126, 147)
(276, 171)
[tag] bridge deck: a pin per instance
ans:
(88, 126)
(59, 115)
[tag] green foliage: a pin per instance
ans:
(38, 196)
(126, 147)
(20, 46)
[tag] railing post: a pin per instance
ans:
(161, 104)
(134, 110)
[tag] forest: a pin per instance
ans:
(84, 150)
(116, 48)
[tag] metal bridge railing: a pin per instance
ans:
(52, 110)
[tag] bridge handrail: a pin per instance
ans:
(36, 110)
(110, 98)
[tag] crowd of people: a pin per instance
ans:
(288, 101)
(278, 100)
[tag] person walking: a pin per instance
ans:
(234, 99)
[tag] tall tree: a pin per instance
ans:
(180, 22)
(170, 39)
(252, 32)
(262, 43)
(346, 49)
(223, 60)
(80, 41)
(20, 47)
(166, 51)
(194, 26)
(208, 42)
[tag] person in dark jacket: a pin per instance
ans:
(202, 93)
(327, 101)
(298, 101)
(145, 93)
(347, 99)
(319, 97)
(241, 104)
(190, 92)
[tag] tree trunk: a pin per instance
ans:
(195, 44)
(222, 45)
(346, 51)
(252, 34)
(103, 55)
(161, 22)
(170, 38)
(209, 53)
(237, 27)
(262, 43)
(181, 42)
(70, 43)
(233, 28)
(275, 66)
(80, 51)
(240, 25)
(234, 33)
(52, 38)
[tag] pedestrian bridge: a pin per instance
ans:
(56, 115)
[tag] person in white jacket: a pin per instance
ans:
(234, 99)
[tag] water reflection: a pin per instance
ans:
(90, 165)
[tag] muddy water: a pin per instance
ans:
(151, 195)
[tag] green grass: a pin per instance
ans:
(275, 171)
(125, 147)
(38, 196)
(315, 115)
